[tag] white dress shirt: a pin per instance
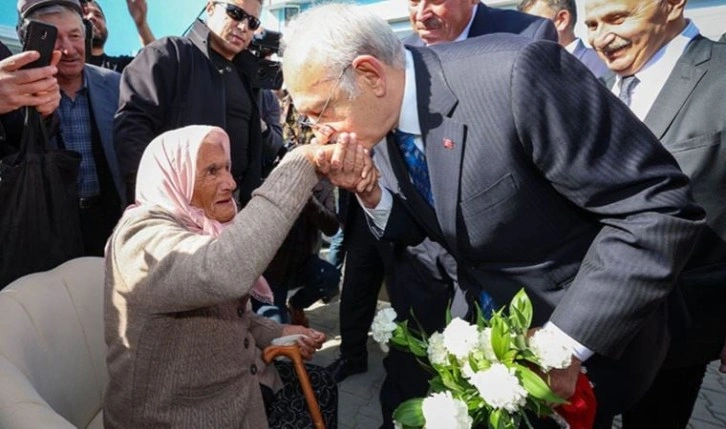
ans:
(652, 77)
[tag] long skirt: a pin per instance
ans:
(288, 408)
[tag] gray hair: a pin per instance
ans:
(56, 9)
(335, 34)
(556, 5)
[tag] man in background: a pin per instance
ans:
(456, 20)
(89, 97)
(204, 78)
(563, 14)
(94, 14)
(673, 79)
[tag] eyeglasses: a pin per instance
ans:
(315, 125)
(238, 14)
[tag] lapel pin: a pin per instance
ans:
(448, 144)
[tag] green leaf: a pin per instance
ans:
(500, 336)
(537, 387)
(523, 306)
(409, 413)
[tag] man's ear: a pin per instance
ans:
(562, 20)
(676, 9)
(371, 72)
(209, 8)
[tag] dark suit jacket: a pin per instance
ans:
(689, 118)
(491, 20)
(589, 57)
(551, 186)
(434, 267)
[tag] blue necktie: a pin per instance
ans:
(416, 163)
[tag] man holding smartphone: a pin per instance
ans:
(19, 88)
(88, 100)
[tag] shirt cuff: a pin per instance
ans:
(581, 352)
(380, 213)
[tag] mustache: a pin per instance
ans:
(429, 24)
(615, 44)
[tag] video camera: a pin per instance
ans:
(269, 73)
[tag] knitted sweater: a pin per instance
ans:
(183, 349)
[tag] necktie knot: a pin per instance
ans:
(416, 162)
(627, 85)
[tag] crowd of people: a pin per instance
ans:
(489, 151)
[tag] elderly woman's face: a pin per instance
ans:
(214, 184)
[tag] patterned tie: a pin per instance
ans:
(416, 163)
(627, 84)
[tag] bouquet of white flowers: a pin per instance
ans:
(485, 373)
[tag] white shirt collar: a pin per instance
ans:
(465, 34)
(408, 118)
(572, 45)
(655, 72)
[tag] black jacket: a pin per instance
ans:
(173, 83)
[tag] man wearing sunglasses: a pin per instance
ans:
(205, 77)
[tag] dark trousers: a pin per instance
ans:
(669, 402)
(412, 289)
(362, 278)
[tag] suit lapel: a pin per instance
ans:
(420, 208)
(689, 70)
(443, 138)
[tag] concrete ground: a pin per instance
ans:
(358, 403)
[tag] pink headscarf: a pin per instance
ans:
(166, 178)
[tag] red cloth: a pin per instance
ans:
(580, 412)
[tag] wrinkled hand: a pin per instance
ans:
(32, 87)
(311, 341)
(722, 368)
(137, 10)
(563, 381)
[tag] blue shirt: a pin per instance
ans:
(75, 118)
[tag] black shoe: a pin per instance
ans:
(342, 368)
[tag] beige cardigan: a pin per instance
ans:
(182, 350)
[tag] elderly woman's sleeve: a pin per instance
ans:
(158, 264)
(264, 330)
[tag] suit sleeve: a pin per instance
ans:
(148, 87)
(600, 157)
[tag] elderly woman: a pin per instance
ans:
(183, 345)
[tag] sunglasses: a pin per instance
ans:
(238, 14)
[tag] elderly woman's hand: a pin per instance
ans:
(310, 341)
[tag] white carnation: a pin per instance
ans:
(436, 350)
(460, 338)
(499, 387)
(442, 411)
(485, 344)
(383, 326)
(552, 350)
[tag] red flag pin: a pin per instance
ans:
(448, 144)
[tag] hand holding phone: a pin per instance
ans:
(40, 37)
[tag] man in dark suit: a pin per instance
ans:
(456, 20)
(419, 279)
(680, 94)
(539, 178)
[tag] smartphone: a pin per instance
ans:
(40, 37)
